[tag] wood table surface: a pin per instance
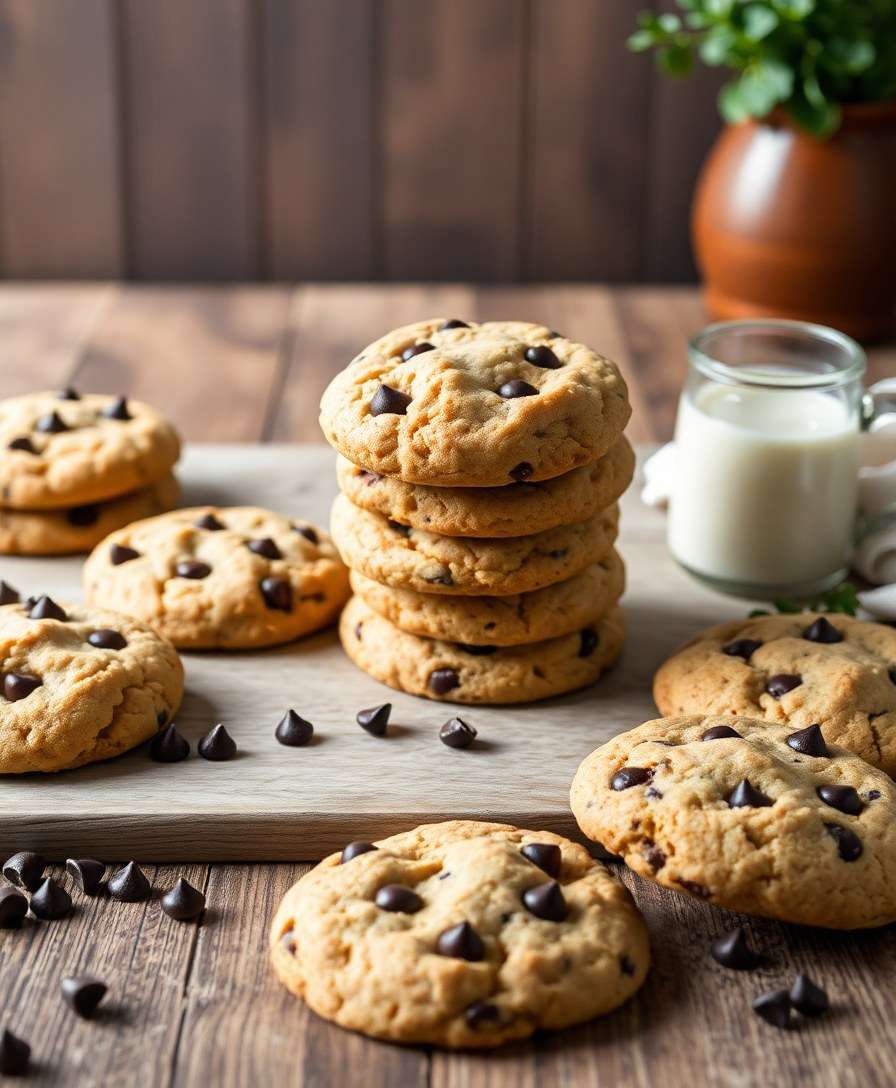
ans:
(198, 1006)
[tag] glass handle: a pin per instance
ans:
(878, 401)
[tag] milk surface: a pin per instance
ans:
(766, 485)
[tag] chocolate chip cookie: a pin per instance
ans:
(220, 577)
(68, 449)
(460, 934)
(462, 673)
(755, 817)
(799, 670)
(513, 510)
(475, 405)
(559, 609)
(79, 684)
(405, 558)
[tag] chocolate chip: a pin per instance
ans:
(731, 950)
(627, 777)
(461, 942)
(13, 907)
(653, 793)
(277, 593)
(774, 1008)
(87, 873)
(161, 718)
(453, 323)
(68, 393)
(781, 683)
(516, 388)
(588, 641)
(543, 357)
(554, 335)
(169, 746)
(354, 849)
(375, 719)
(546, 901)
(742, 647)
(25, 870)
(808, 741)
(416, 349)
(546, 855)
(522, 471)
(457, 733)
(83, 994)
(19, 685)
(293, 731)
(720, 732)
(129, 884)
(892, 675)
(210, 522)
(45, 608)
(51, 901)
(843, 798)
(308, 533)
(104, 638)
(481, 1012)
(389, 401)
(626, 966)
(807, 997)
(8, 595)
(873, 795)
(557, 553)
(822, 630)
(121, 553)
(441, 681)
(745, 795)
(24, 444)
(655, 857)
(849, 845)
(398, 898)
(192, 568)
(118, 409)
(82, 516)
(217, 745)
(52, 423)
(15, 1055)
(183, 902)
(476, 651)
(265, 547)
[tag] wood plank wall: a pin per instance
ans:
(479, 140)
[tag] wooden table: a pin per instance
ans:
(198, 1006)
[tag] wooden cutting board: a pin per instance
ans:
(275, 803)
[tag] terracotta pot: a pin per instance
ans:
(786, 225)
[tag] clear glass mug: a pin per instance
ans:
(763, 503)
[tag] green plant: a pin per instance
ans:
(807, 56)
(843, 598)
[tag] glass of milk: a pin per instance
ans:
(763, 503)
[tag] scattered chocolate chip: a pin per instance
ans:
(588, 641)
(456, 733)
(461, 942)
(277, 593)
(82, 516)
(809, 741)
(19, 685)
(217, 745)
(45, 608)
(265, 547)
(557, 553)
(50, 901)
(655, 857)
(653, 793)
(781, 683)
(546, 901)
(554, 335)
(546, 855)
(843, 798)
(83, 994)
(118, 409)
(8, 595)
(822, 630)
(68, 393)
(169, 746)
(129, 884)
(626, 777)
(745, 795)
(453, 323)
(358, 629)
(210, 522)
(873, 795)
(25, 445)
(52, 423)
(183, 902)
(375, 719)
(849, 845)
(25, 870)
(389, 401)
(87, 873)
(192, 568)
(441, 681)
(308, 533)
(774, 1008)
(742, 647)
(807, 997)
(161, 718)
(354, 849)
(293, 731)
(731, 950)
(516, 388)
(13, 907)
(104, 638)
(521, 472)
(396, 897)
(121, 553)
(481, 1012)
(15, 1055)
(476, 651)
(543, 357)
(416, 349)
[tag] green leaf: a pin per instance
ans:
(819, 120)
(676, 60)
(718, 9)
(717, 45)
(844, 598)
(849, 56)
(641, 40)
(759, 612)
(759, 21)
(784, 605)
(795, 9)
(731, 103)
(671, 24)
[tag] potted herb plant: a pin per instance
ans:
(795, 209)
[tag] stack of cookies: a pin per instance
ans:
(74, 468)
(480, 469)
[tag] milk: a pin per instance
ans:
(765, 488)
